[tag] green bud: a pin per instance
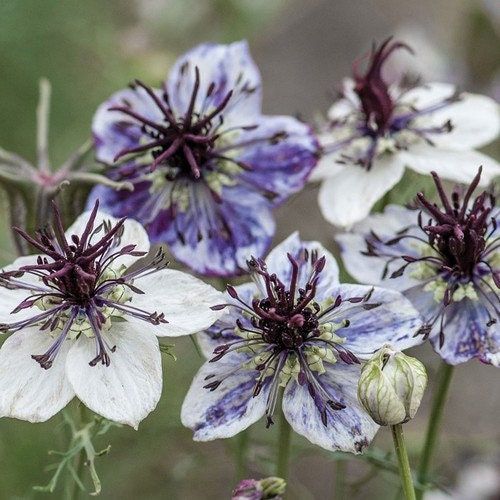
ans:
(391, 386)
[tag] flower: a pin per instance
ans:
(269, 488)
(297, 328)
(446, 260)
(391, 386)
(84, 322)
(206, 165)
(375, 130)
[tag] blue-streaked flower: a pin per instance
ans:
(446, 259)
(84, 322)
(376, 129)
(269, 488)
(296, 329)
(206, 165)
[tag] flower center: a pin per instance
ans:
(79, 287)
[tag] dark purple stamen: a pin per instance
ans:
(73, 282)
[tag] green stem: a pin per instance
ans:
(404, 463)
(284, 443)
(73, 489)
(445, 374)
(242, 443)
(340, 473)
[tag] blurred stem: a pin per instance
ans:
(42, 116)
(404, 463)
(340, 472)
(445, 373)
(241, 454)
(17, 213)
(284, 443)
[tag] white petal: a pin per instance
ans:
(186, 302)
(133, 234)
(129, 388)
(458, 166)
(345, 106)
(475, 119)
(27, 391)
(228, 409)
(348, 197)
(427, 95)
(350, 429)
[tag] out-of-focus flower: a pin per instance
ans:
(206, 165)
(297, 328)
(84, 322)
(270, 488)
(376, 130)
(391, 386)
(446, 260)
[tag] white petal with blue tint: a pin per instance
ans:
(228, 409)
(277, 262)
(393, 321)
(349, 196)
(129, 388)
(186, 302)
(27, 391)
(350, 429)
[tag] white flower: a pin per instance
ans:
(375, 131)
(84, 323)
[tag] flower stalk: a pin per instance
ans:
(284, 447)
(404, 463)
(445, 375)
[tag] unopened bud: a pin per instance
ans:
(391, 386)
(270, 488)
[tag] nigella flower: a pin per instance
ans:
(207, 166)
(297, 328)
(84, 322)
(446, 260)
(375, 130)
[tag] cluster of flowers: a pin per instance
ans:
(207, 168)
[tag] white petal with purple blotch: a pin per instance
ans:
(350, 429)
(27, 391)
(229, 68)
(228, 409)
(349, 196)
(277, 262)
(133, 234)
(129, 388)
(368, 269)
(114, 131)
(186, 302)
(393, 321)
(467, 334)
(458, 166)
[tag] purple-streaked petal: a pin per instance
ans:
(114, 131)
(281, 152)
(387, 317)
(228, 68)
(350, 429)
(230, 408)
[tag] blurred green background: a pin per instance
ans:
(90, 49)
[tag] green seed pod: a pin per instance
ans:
(391, 386)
